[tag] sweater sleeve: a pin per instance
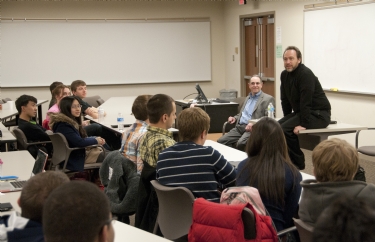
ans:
(285, 104)
(225, 172)
(72, 136)
(306, 89)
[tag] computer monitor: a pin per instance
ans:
(201, 98)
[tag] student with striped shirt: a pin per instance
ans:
(189, 164)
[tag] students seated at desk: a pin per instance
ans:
(28, 227)
(69, 123)
(201, 169)
(346, 219)
(132, 136)
(270, 170)
(335, 164)
(254, 107)
(78, 211)
(34, 132)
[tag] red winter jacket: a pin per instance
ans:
(220, 222)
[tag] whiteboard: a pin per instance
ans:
(339, 47)
(37, 53)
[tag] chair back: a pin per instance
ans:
(100, 101)
(304, 230)
(22, 143)
(92, 100)
(5, 100)
(61, 150)
(175, 210)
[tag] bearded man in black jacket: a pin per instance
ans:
(304, 103)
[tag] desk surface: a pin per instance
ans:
(9, 111)
(339, 127)
(115, 105)
(16, 163)
(7, 136)
(184, 101)
(230, 154)
(125, 232)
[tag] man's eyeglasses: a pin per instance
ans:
(76, 106)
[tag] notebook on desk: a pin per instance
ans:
(12, 186)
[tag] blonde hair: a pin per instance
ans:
(334, 160)
(191, 123)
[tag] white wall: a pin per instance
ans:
(346, 108)
(225, 36)
(130, 10)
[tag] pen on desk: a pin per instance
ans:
(335, 89)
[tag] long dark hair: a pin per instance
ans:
(66, 109)
(268, 156)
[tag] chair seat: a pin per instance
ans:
(367, 150)
(10, 123)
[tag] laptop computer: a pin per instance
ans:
(12, 186)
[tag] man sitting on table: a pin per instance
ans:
(201, 169)
(254, 107)
(34, 132)
(78, 211)
(33, 196)
(132, 136)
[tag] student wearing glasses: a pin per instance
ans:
(69, 123)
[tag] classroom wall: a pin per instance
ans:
(346, 108)
(131, 10)
(225, 37)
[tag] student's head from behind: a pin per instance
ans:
(77, 211)
(26, 105)
(79, 88)
(255, 84)
(36, 190)
(60, 91)
(139, 108)
(267, 139)
(54, 85)
(292, 58)
(346, 219)
(334, 160)
(193, 125)
(161, 110)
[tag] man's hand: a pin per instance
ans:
(298, 128)
(231, 120)
(249, 127)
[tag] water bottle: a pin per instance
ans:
(271, 111)
(120, 122)
(100, 114)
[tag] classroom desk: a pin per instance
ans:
(218, 112)
(125, 232)
(7, 136)
(234, 156)
(16, 163)
(9, 111)
(111, 107)
(310, 138)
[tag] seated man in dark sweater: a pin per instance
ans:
(34, 132)
(201, 169)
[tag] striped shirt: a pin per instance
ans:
(201, 169)
(130, 142)
(154, 141)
